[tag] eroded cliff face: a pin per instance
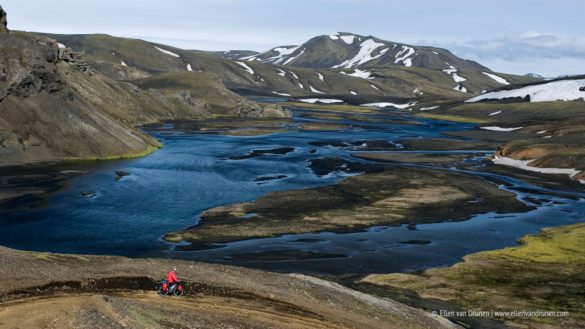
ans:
(54, 106)
(3, 21)
(44, 113)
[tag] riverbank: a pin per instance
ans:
(545, 273)
(545, 135)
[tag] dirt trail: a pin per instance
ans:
(75, 291)
(148, 310)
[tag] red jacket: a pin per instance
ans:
(171, 277)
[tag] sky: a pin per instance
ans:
(546, 37)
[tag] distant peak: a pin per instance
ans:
(534, 75)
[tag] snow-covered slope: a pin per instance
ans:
(369, 57)
(559, 90)
(347, 50)
(364, 66)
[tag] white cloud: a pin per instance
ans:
(544, 53)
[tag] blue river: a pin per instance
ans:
(167, 190)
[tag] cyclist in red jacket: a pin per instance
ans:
(172, 280)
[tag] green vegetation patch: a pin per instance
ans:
(393, 196)
(449, 117)
(545, 273)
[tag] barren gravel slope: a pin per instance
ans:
(71, 291)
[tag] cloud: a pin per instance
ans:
(529, 51)
(525, 46)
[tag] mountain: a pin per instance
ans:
(55, 106)
(132, 59)
(535, 75)
(382, 59)
(539, 125)
(346, 50)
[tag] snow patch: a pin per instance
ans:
(348, 39)
(364, 55)
(541, 132)
(295, 57)
(428, 108)
(500, 128)
(294, 75)
(250, 58)
(360, 74)
(301, 86)
(452, 69)
(281, 72)
(61, 46)
(388, 104)
(321, 100)
(353, 93)
(562, 90)
(167, 52)
(283, 53)
(403, 56)
(460, 88)
(315, 90)
(525, 164)
(496, 78)
(375, 87)
(123, 64)
(496, 113)
(246, 67)
(281, 94)
(189, 68)
(458, 78)
(334, 36)
(321, 77)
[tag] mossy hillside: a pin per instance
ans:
(141, 58)
(523, 112)
(547, 272)
(551, 132)
(74, 112)
(434, 84)
(146, 59)
(197, 87)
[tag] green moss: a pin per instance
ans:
(331, 107)
(449, 117)
(57, 257)
(560, 245)
(547, 272)
(146, 318)
(147, 151)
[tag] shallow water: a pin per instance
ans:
(168, 189)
